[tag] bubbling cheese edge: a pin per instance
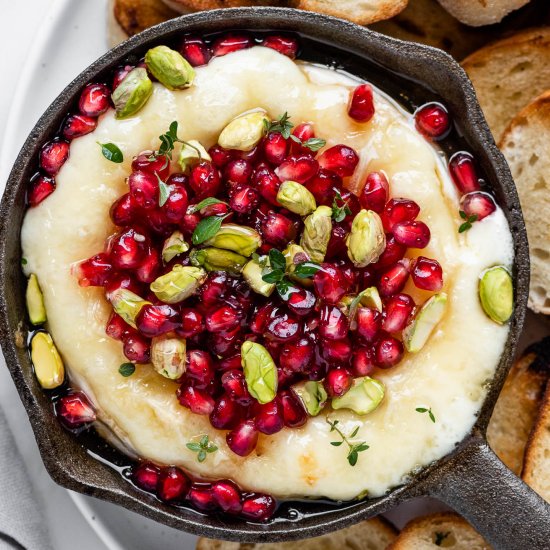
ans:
(448, 374)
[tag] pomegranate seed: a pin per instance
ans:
(269, 418)
(146, 476)
(173, 484)
(412, 234)
(368, 322)
(283, 327)
(340, 159)
(361, 105)
(226, 344)
(337, 245)
(226, 414)
(149, 269)
(336, 352)
(267, 183)
(261, 318)
(362, 362)
(397, 311)
(333, 324)
(155, 320)
(478, 204)
(144, 189)
(94, 100)
(175, 207)
(220, 156)
(117, 328)
(294, 414)
(242, 440)
(323, 186)
(146, 161)
(128, 249)
(399, 210)
(330, 284)
(232, 362)
(303, 132)
(227, 496)
(366, 277)
(202, 498)
(41, 187)
(301, 301)
(78, 125)
(394, 279)
(120, 74)
(200, 368)
(275, 148)
(205, 180)
(195, 399)
(122, 280)
(338, 382)
(234, 384)
(432, 120)
(53, 155)
(137, 349)
(391, 255)
(94, 271)
(218, 209)
(427, 274)
(277, 229)
(463, 172)
(244, 199)
(258, 507)
(375, 192)
(224, 319)
(285, 45)
(195, 50)
(231, 43)
(238, 171)
(388, 352)
(192, 323)
(214, 289)
(74, 410)
(189, 222)
(122, 211)
(352, 201)
(298, 168)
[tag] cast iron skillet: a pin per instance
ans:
(471, 479)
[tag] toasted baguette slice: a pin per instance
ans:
(508, 74)
(134, 16)
(525, 146)
(373, 534)
(184, 6)
(481, 12)
(444, 530)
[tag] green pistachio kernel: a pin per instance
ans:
(216, 259)
(312, 396)
(48, 365)
(132, 93)
(363, 397)
(169, 67)
(35, 301)
(192, 152)
(367, 239)
(252, 273)
(173, 246)
(127, 304)
(369, 297)
(168, 356)
(178, 284)
(260, 372)
(245, 132)
(316, 234)
(296, 198)
(344, 305)
(238, 238)
(419, 330)
(496, 292)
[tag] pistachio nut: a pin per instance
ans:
(245, 132)
(169, 67)
(367, 239)
(173, 246)
(132, 93)
(216, 259)
(238, 238)
(344, 305)
(294, 254)
(316, 234)
(363, 397)
(168, 356)
(35, 301)
(418, 331)
(178, 284)
(296, 198)
(369, 297)
(312, 395)
(252, 273)
(192, 152)
(260, 372)
(496, 292)
(47, 363)
(127, 304)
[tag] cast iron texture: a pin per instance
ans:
(508, 513)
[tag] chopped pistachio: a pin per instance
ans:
(367, 298)
(244, 132)
(216, 259)
(312, 396)
(168, 356)
(260, 372)
(316, 234)
(169, 67)
(48, 365)
(192, 152)
(127, 304)
(252, 273)
(363, 397)
(367, 239)
(132, 93)
(344, 305)
(238, 238)
(173, 246)
(496, 292)
(35, 301)
(178, 284)
(296, 198)
(417, 332)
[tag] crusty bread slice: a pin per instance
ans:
(525, 146)
(444, 530)
(508, 74)
(184, 6)
(481, 12)
(373, 534)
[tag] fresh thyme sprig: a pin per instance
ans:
(468, 221)
(202, 448)
(353, 448)
(281, 125)
(340, 211)
(167, 143)
(423, 410)
(313, 144)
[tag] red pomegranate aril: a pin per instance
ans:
(259, 507)
(173, 484)
(397, 311)
(244, 199)
(94, 100)
(196, 400)
(330, 284)
(155, 320)
(192, 323)
(323, 186)
(399, 210)
(388, 352)
(336, 352)
(232, 362)
(214, 288)
(227, 496)
(301, 301)
(294, 414)
(224, 319)
(340, 159)
(333, 324)
(53, 155)
(261, 317)
(146, 161)
(463, 172)
(285, 45)
(337, 245)
(303, 132)
(299, 168)
(78, 125)
(362, 362)
(146, 476)
(123, 210)
(41, 187)
(338, 382)
(144, 189)
(278, 230)
(375, 192)
(225, 344)
(412, 234)
(122, 280)
(275, 148)
(238, 171)
(149, 269)
(74, 410)
(220, 156)
(243, 438)
(200, 368)
(283, 328)
(202, 498)
(392, 253)
(120, 74)
(137, 349)
(478, 204)
(361, 104)
(195, 51)
(297, 356)
(231, 43)
(432, 120)
(218, 209)
(128, 249)
(234, 384)
(175, 207)
(189, 222)
(427, 274)
(205, 180)
(117, 328)
(369, 322)
(226, 414)
(267, 183)
(269, 418)
(94, 271)
(394, 279)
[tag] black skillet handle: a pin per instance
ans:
(508, 513)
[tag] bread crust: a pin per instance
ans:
(477, 13)
(134, 16)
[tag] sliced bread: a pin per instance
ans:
(184, 6)
(481, 12)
